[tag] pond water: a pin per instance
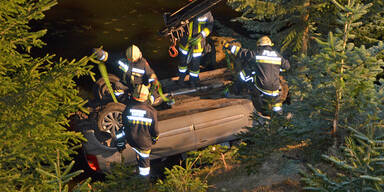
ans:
(75, 27)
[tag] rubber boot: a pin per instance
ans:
(195, 81)
(180, 81)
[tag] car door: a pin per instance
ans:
(220, 125)
(176, 136)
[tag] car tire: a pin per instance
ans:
(109, 121)
(101, 90)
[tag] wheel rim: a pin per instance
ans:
(111, 123)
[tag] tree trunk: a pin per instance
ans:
(305, 37)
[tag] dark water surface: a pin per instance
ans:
(76, 26)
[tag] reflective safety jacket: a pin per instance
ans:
(140, 122)
(133, 73)
(202, 25)
(263, 68)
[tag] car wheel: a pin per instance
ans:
(101, 90)
(109, 121)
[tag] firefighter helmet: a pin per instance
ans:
(264, 41)
(141, 93)
(133, 53)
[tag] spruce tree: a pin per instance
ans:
(334, 88)
(291, 24)
(36, 97)
(371, 29)
(359, 167)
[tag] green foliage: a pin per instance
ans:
(215, 156)
(360, 167)
(122, 178)
(262, 139)
(335, 88)
(60, 179)
(36, 97)
(289, 23)
(292, 24)
(371, 29)
(180, 179)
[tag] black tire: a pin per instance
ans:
(101, 92)
(109, 121)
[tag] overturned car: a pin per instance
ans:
(199, 117)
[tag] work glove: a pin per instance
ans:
(196, 39)
(100, 54)
(154, 140)
(120, 139)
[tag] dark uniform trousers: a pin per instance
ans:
(199, 26)
(140, 120)
(262, 75)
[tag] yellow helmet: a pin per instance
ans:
(133, 53)
(141, 93)
(264, 41)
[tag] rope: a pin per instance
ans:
(160, 90)
(104, 74)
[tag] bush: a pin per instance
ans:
(180, 179)
(122, 177)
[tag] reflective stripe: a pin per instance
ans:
(267, 92)
(104, 57)
(145, 154)
(242, 76)
(268, 59)
(269, 53)
(123, 66)
(137, 112)
(245, 78)
(134, 118)
(233, 49)
(204, 34)
(194, 74)
(136, 70)
(277, 109)
(150, 80)
(144, 171)
(184, 52)
(196, 54)
(120, 135)
(202, 19)
(182, 70)
(118, 93)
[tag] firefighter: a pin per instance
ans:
(132, 70)
(140, 128)
(191, 47)
(263, 72)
